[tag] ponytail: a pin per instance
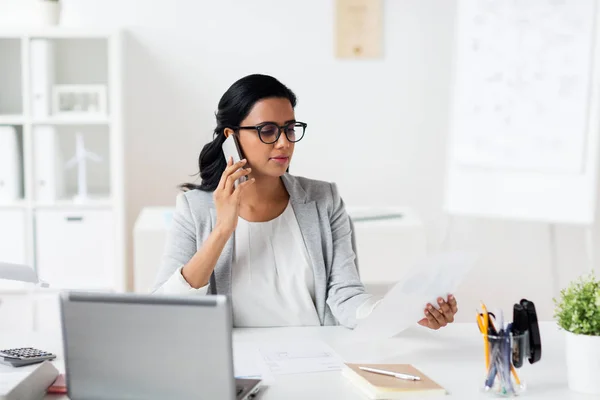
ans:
(211, 163)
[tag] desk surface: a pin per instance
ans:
(451, 356)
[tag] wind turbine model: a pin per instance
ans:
(79, 160)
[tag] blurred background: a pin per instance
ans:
(106, 104)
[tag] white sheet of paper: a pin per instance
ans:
(300, 357)
(403, 306)
(248, 362)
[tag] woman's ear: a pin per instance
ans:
(227, 132)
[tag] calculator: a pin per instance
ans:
(24, 356)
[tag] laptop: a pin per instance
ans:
(132, 346)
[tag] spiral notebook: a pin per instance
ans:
(377, 386)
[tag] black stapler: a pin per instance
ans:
(525, 320)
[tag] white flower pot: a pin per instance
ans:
(46, 13)
(583, 363)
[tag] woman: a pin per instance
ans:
(278, 244)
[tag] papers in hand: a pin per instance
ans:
(404, 305)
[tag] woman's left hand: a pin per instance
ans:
(436, 318)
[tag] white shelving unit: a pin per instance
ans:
(72, 245)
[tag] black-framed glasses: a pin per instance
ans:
(269, 132)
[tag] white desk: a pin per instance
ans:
(452, 356)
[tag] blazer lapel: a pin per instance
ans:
(308, 221)
(222, 272)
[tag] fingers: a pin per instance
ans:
(432, 321)
(437, 315)
(453, 304)
(231, 168)
(238, 191)
(230, 182)
(446, 310)
(438, 318)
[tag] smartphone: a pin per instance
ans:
(231, 148)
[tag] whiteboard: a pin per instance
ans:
(523, 132)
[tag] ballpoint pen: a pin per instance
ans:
(505, 355)
(391, 373)
(509, 329)
(492, 329)
(493, 370)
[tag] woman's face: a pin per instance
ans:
(267, 159)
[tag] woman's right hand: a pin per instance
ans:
(227, 197)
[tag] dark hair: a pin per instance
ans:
(234, 106)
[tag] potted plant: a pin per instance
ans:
(578, 313)
(47, 12)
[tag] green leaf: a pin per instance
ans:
(578, 308)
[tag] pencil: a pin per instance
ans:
(485, 333)
(514, 374)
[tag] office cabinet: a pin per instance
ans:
(13, 236)
(75, 249)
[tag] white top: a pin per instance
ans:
(272, 277)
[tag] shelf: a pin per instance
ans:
(34, 60)
(94, 203)
(60, 120)
(12, 119)
(100, 203)
(15, 204)
(56, 33)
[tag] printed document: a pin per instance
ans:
(404, 305)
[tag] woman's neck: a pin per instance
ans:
(266, 190)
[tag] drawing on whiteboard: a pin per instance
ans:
(522, 84)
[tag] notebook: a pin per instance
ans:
(29, 382)
(59, 386)
(377, 386)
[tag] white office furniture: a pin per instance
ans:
(16, 311)
(34, 62)
(74, 245)
(149, 237)
(452, 356)
(10, 164)
(85, 256)
(388, 240)
(13, 235)
(26, 303)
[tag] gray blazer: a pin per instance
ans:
(327, 234)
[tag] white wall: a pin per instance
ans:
(377, 128)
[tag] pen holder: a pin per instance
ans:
(504, 354)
